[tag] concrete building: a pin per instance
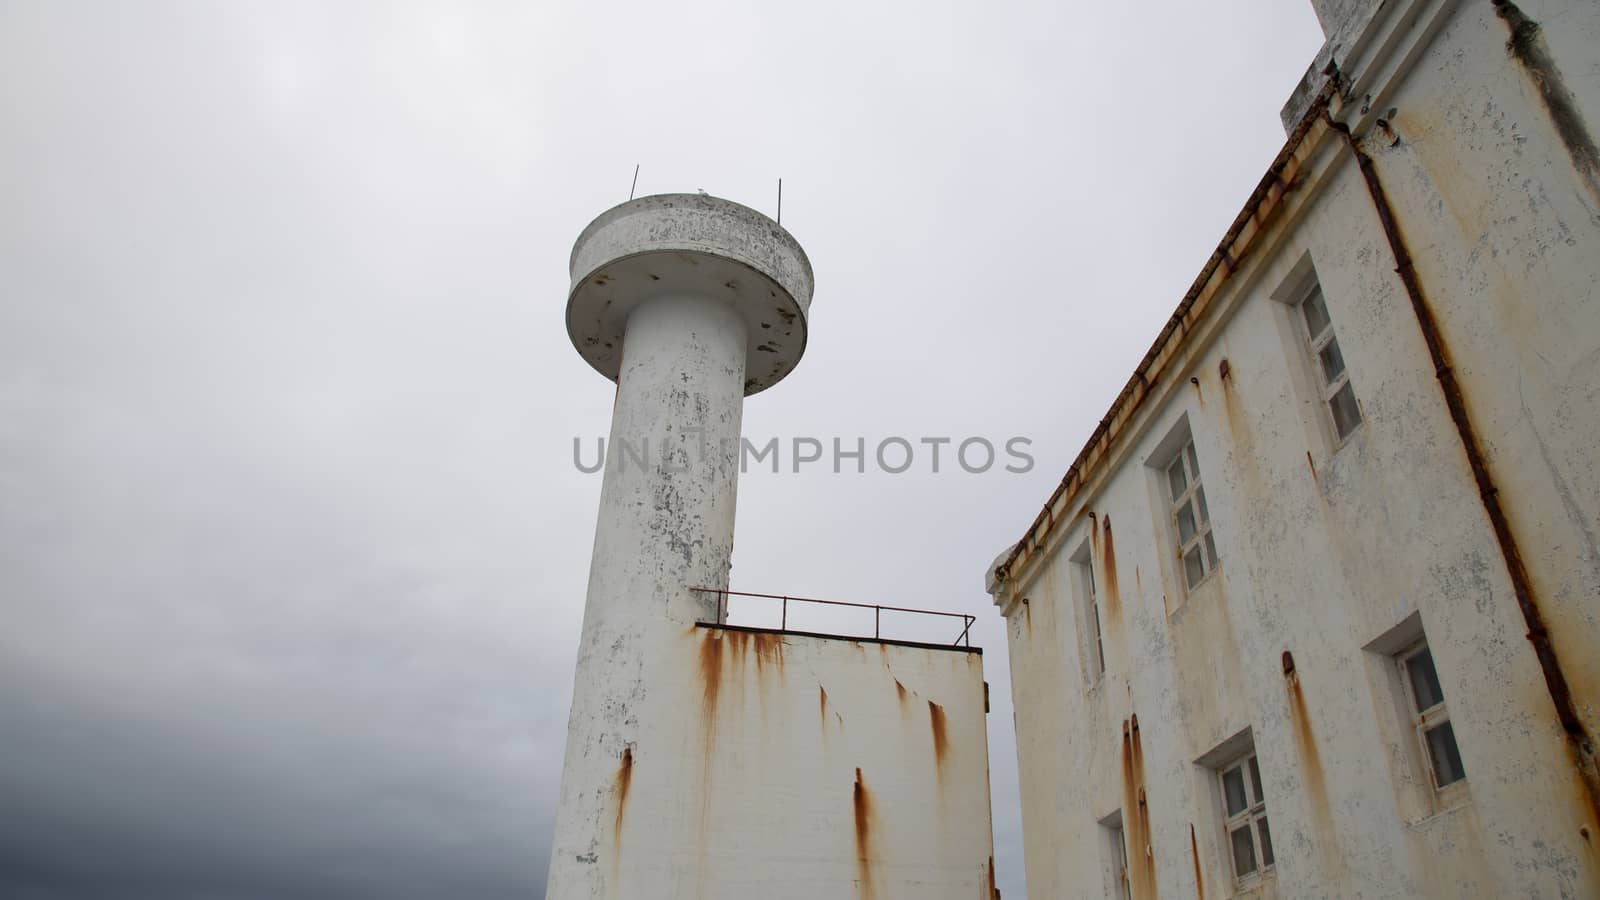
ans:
(1316, 611)
(707, 759)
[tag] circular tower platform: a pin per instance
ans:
(695, 244)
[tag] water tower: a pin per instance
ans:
(706, 760)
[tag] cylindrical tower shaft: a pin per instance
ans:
(665, 526)
(690, 303)
(667, 505)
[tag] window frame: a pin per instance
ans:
(1091, 613)
(1084, 590)
(1423, 721)
(1187, 461)
(1252, 818)
(1316, 344)
(1119, 861)
(1114, 851)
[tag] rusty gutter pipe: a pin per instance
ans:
(1581, 743)
(1271, 187)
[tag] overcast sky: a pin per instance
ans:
(292, 547)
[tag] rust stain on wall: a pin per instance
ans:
(737, 644)
(1238, 427)
(994, 892)
(769, 652)
(1199, 878)
(822, 701)
(1144, 809)
(1136, 814)
(1305, 740)
(1243, 451)
(941, 738)
(710, 684)
(1109, 566)
(900, 691)
(710, 668)
(623, 781)
(864, 823)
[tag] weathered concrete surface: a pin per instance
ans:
(665, 525)
(795, 767)
(1330, 549)
(691, 243)
(678, 346)
(1335, 16)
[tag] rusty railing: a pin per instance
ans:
(964, 639)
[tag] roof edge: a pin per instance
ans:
(1270, 190)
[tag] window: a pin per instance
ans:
(1117, 845)
(1196, 548)
(1094, 646)
(1337, 394)
(1122, 863)
(1418, 724)
(1245, 817)
(1432, 719)
(1093, 598)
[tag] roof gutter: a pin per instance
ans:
(1265, 201)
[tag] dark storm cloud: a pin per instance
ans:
(292, 552)
(227, 711)
(101, 803)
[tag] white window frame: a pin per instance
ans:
(1316, 344)
(1253, 817)
(1117, 846)
(1424, 721)
(1089, 615)
(1120, 860)
(1193, 497)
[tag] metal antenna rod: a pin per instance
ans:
(780, 201)
(635, 181)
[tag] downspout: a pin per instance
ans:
(1580, 742)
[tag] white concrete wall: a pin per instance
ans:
(790, 767)
(1328, 547)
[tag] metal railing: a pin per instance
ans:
(964, 639)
